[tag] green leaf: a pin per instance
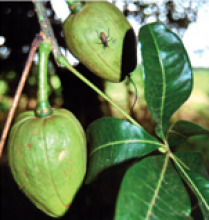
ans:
(198, 180)
(202, 184)
(152, 189)
(167, 73)
(182, 130)
(195, 162)
(113, 141)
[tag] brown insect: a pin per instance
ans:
(104, 39)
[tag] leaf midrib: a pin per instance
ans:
(159, 184)
(164, 80)
(125, 141)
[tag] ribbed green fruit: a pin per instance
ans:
(48, 159)
(112, 61)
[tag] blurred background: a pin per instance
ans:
(19, 25)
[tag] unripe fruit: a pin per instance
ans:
(47, 157)
(103, 40)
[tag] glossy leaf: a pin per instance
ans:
(196, 177)
(152, 189)
(167, 73)
(195, 162)
(202, 184)
(113, 141)
(182, 130)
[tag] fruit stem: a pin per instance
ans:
(75, 6)
(43, 108)
(46, 27)
(63, 61)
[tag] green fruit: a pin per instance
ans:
(47, 157)
(101, 37)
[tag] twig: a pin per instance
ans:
(38, 39)
(46, 28)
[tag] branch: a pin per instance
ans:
(38, 39)
(46, 27)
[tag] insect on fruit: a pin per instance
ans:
(104, 38)
(110, 62)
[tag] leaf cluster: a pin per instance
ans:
(153, 186)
